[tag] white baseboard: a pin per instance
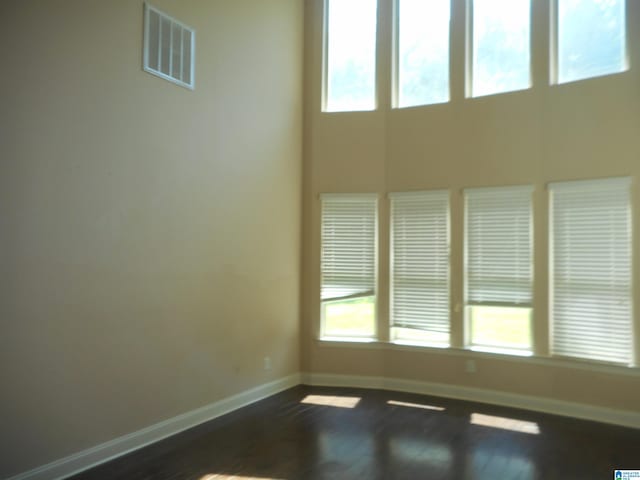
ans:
(538, 404)
(117, 447)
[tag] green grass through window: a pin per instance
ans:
(501, 327)
(354, 317)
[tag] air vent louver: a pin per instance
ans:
(168, 48)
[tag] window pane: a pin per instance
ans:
(423, 52)
(501, 327)
(349, 318)
(591, 38)
(351, 56)
(501, 46)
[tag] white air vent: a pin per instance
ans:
(168, 47)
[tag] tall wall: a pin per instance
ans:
(587, 129)
(149, 234)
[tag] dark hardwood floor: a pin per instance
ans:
(337, 433)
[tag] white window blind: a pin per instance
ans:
(420, 261)
(498, 246)
(591, 307)
(348, 258)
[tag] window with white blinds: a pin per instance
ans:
(498, 266)
(348, 264)
(420, 266)
(591, 307)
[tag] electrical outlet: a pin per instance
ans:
(470, 366)
(267, 363)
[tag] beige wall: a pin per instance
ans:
(149, 234)
(581, 130)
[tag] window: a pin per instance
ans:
(498, 266)
(422, 52)
(168, 48)
(591, 308)
(501, 46)
(348, 265)
(591, 39)
(350, 59)
(420, 267)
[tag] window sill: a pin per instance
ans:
(501, 351)
(509, 356)
(348, 339)
(417, 343)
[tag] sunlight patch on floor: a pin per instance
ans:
(498, 465)
(421, 450)
(505, 423)
(331, 401)
(415, 405)
(221, 476)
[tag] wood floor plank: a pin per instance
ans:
(314, 433)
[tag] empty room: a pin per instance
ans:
(320, 239)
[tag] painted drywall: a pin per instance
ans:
(587, 129)
(150, 235)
